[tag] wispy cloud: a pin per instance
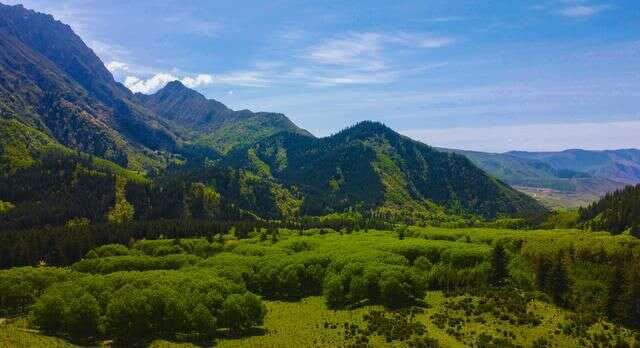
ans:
(364, 57)
(445, 19)
(354, 48)
(359, 48)
(189, 24)
(583, 11)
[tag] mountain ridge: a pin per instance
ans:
(208, 122)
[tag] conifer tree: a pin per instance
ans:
(498, 272)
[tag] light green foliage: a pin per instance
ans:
(5, 207)
(78, 222)
(204, 201)
(122, 211)
(206, 292)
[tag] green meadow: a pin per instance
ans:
(414, 287)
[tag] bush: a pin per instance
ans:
(241, 312)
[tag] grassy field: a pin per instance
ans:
(301, 324)
(459, 310)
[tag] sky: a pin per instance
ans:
(480, 75)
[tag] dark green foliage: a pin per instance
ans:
(558, 282)
(68, 308)
(498, 272)
(134, 307)
(241, 312)
(615, 212)
(369, 166)
(19, 287)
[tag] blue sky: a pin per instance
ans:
(484, 75)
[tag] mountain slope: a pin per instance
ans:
(370, 166)
(209, 122)
(52, 81)
(558, 184)
(617, 165)
(615, 212)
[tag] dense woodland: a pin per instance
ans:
(616, 212)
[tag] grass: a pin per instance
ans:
(302, 323)
(15, 334)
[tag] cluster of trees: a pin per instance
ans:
(615, 212)
(63, 245)
(348, 269)
(57, 187)
(136, 307)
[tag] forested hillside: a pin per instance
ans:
(52, 81)
(370, 166)
(616, 212)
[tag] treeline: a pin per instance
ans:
(616, 212)
(63, 245)
(132, 307)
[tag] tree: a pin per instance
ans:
(83, 317)
(49, 312)
(558, 283)
(122, 211)
(240, 312)
(392, 292)
(628, 307)
(498, 272)
(202, 322)
(615, 292)
(128, 315)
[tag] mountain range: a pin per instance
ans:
(78, 144)
(569, 178)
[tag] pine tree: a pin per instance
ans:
(498, 272)
(558, 282)
(615, 292)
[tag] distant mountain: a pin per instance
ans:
(372, 167)
(616, 165)
(209, 122)
(50, 80)
(562, 179)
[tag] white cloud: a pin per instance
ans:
(159, 80)
(583, 11)
(534, 137)
(150, 85)
(354, 48)
(115, 66)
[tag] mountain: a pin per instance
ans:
(569, 178)
(50, 80)
(210, 123)
(618, 165)
(76, 144)
(372, 167)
